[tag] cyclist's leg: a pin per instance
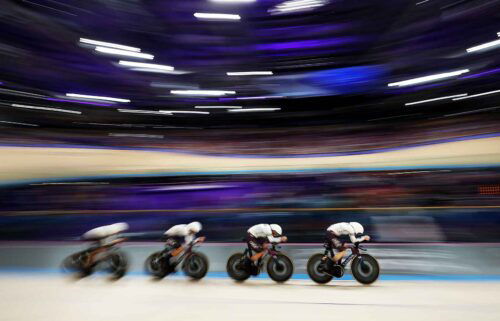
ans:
(174, 245)
(338, 245)
(256, 245)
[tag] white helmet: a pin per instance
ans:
(358, 228)
(194, 227)
(117, 228)
(276, 228)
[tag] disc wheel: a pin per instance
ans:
(236, 269)
(365, 269)
(156, 266)
(195, 265)
(280, 268)
(316, 268)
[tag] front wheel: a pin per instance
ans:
(280, 268)
(118, 265)
(365, 269)
(316, 268)
(236, 267)
(196, 265)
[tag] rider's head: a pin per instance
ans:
(358, 228)
(194, 227)
(276, 229)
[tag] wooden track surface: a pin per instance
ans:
(32, 163)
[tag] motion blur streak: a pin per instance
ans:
(108, 44)
(121, 100)
(47, 108)
(120, 52)
(434, 99)
(429, 78)
(171, 140)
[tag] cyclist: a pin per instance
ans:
(104, 237)
(178, 236)
(337, 234)
(260, 236)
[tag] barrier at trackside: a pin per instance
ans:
(428, 258)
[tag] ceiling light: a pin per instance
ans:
(108, 44)
(46, 108)
(429, 78)
(120, 100)
(248, 110)
(478, 95)
(249, 73)
(145, 65)
(184, 112)
(216, 16)
(434, 99)
(488, 45)
(120, 52)
(195, 92)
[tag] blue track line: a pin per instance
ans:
(264, 276)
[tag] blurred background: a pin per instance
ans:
(236, 112)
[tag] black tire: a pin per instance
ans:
(155, 267)
(365, 269)
(195, 265)
(314, 269)
(118, 263)
(280, 268)
(234, 269)
(73, 264)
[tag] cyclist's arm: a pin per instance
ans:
(273, 239)
(356, 240)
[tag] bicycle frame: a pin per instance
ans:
(355, 251)
(184, 253)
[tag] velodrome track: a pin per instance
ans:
(28, 164)
(54, 298)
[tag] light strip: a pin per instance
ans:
(16, 123)
(424, 79)
(120, 100)
(434, 99)
(233, 1)
(216, 16)
(109, 44)
(47, 108)
(120, 52)
(249, 73)
(217, 107)
(195, 92)
(145, 65)
(478, 95)
(249, 110)
(184, 112)
(487, 45)
(141, 111)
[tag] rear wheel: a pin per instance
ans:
(75, 263)
(316, 268)
(236, 267)
(196, 265)
(365, 269)
(280, 268)
(157, 266)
